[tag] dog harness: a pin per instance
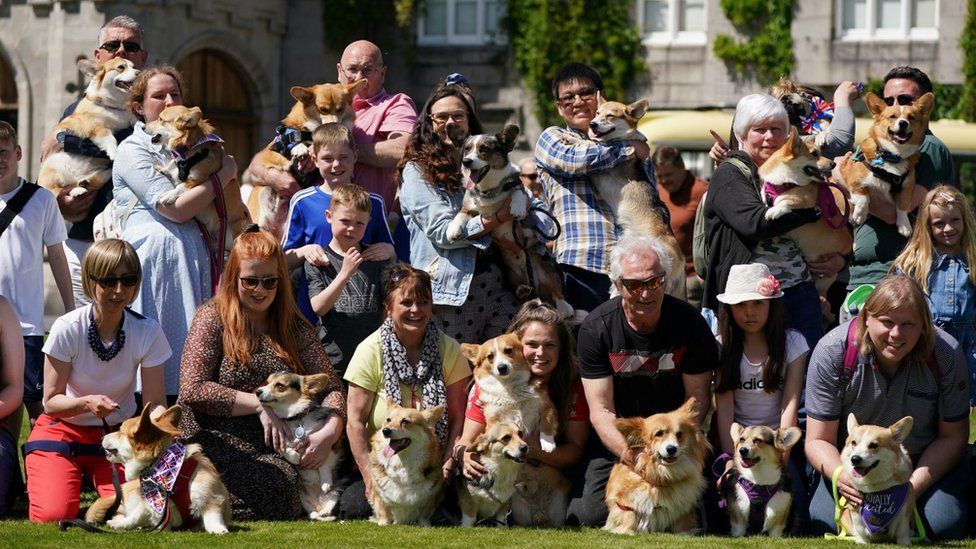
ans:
(759, 494)
(168, 480)
(185, 162)
(876, 166)
(287, 137)
(825, 200)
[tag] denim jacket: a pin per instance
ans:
(952, 300)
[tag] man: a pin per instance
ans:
(681, 191)
(635, 363)
(529, 176)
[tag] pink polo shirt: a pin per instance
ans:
(376, 118)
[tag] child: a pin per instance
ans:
(346, 292)
(37, 225)
(308, 232)
(938, 257)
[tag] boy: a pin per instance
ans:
(346, 292)
(308, 231)
(37, 225)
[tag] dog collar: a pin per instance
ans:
(508, 184)
(774, 191)
(880, 508)
(101, 103)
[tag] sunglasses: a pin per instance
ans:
(251, 282)
(586, 95)
(903, 100)
(114, 45)
(401, 274)
(110, 282)
(443, 117)
(530, 176)
(634, 286)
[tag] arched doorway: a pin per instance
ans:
(8, 93)
(217, 86)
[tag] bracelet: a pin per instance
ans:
(458, 452)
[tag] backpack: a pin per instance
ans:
(699, 234)
(849, 365)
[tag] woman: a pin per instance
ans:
(738, 232)
(249, 331)
(904, 367)
(409, 361)
(173, 251)
(11, 397)
(93, 354)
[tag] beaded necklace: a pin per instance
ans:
(95, 342)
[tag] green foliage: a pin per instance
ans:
(546, 34)
(967, 42)
(380, 21)
(768, 53)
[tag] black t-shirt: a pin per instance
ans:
(646, 368)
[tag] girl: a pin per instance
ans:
(938, 257)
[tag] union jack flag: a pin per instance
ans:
(820, 111)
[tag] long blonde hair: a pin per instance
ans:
(915, 260)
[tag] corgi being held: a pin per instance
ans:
(405, 467)
(145, 447)
(541, 496)
(885, 161)
(660, 491)
(502, 451)
(103, 111)
(879, 467)
(298, 400)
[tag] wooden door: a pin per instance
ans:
(8, 93)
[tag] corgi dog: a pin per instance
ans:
(659, 493)
(405, 467)
(103, 110)
(795, 177)
(315, 105)
(197, 153)
(756, 490)
(502, 451)
(489, 179)
(509, 392)
(879, 467)
(298, 400)
(148, 450)
(626, 190)
(541, 496)
(885, 161)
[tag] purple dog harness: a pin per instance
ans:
(759, 494)
(825, 200)
(880, 508)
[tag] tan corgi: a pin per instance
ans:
(626, 190)
(879, 467)
(541, 496)
(145, 446)
(197, 154)
(756, 489)
(509, 392)
(794, 177)
(661, 491)
(405, 467)
(315, 105)
(502, 450)
(886, 160)
(103, 110)
(298, 400)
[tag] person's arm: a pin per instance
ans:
(324, 293)
(941, 455)
(57, 404)
(603, 416)
(792, 385)
(433, 213)
(154, 388)
(724, 416)
(283, 182)
(320, 443)
(565, 154)
(383, 154)
(360, 405)
(839, 139)
(822, 453)
(700, 387)
(457, 397)
(315, 360)
(11, 360)
(568, 452)
(62, 276)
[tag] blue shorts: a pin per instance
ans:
(33, 369)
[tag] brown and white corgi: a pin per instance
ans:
(503, 451)
(541, 496)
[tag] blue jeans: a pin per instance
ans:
(802, 304)
(584, 289)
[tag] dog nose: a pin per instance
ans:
(856, 459)
(503, 369)
(671, 449)
(744, 452)
(466, 162)
(594, 124)
(387, 432)
(833, 165)
(902, 125)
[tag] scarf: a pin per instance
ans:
(426, 378)
(880, 508)
(162, 476)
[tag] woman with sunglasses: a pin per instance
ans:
(93, 355)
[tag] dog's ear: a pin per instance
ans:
(314, 385)
(508, 137)
(433, 415)
(356, 86)
(470, 352)
(631, 428)
(852, 423)
(169, 421)
(796, 144)
(787, 438)
(688, 409)
(925, 103)
(901, 429)
(735, 432)
(305, 95)
(88, 67)
(192, 118)
(874, 103)
(600, 100)
(481, 445)
(636, 109)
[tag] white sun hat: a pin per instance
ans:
(750, 282)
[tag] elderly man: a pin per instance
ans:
(635, 363)
(529, 176)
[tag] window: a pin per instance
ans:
(462, 22)
(672, 21)
(887, 19)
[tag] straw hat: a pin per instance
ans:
(750, 282)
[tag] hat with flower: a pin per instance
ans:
(750, 282)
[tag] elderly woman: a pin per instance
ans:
(738, 231)
(904, 367)
(251, 330)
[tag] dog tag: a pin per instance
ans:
(300, 432)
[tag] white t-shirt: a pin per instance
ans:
(753, 405)
(22, 245)
(145, 345)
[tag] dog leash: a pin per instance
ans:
(216, 259)
(64, 525)
(841, 501)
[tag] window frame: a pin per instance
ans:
(451, 38)
(873, 34)
(672, 35)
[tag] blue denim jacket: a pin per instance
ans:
(428, 210)
(952, 300)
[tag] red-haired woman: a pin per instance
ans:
(250, 330)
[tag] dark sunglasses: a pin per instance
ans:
(251, 282)
(110, 282)
(634, 286)
(530, 176)
(113, 46)
(903, 100)
(585, 95)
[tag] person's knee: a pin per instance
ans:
(946, 517)
(53, 509)
(587, 511)
(353, 504)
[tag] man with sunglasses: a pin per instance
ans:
(529, 176)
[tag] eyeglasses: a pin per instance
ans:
(904, 100)
(633, 286)
(443, 117)
(114, 45)
(530, 176)
(364, 71)
(110, 282)
(251, 282)
(586, 95)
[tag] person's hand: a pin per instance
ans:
(846, 489)
(629, 456)
(228, 171)
(350, 263)
(306, 164)
(314, 255)
(845, 94)
(380, 251)
(283, 183)
(318, 449)
(74, 207)
(448, 468)
(368, 483)
(719, 150)
(100, 405)
(276, 432)
(827, 265)
(472, 467)
(641, 150)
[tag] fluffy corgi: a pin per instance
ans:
(489, 178)
(879, 467)
(298, 400)
(509, 392)
(197, 153)
(405, 467)
(315, 105)
(626, 190)
(502, 451)
(541, 496)
(163, 477)
(795, 177)
(886, 160)
(103, 110)
(660, 492)
(756, 490)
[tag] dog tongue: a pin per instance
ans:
(468, 183)
(389, 452)
(395, 446)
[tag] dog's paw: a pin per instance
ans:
(456, 229)
(859, 209)
(776, 212)
(77, 191)
(904, 225)
(116, 523)
(169, 197)
(299, 150)
(520, 205)
(547, 442)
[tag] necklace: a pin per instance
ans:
(95, 342)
